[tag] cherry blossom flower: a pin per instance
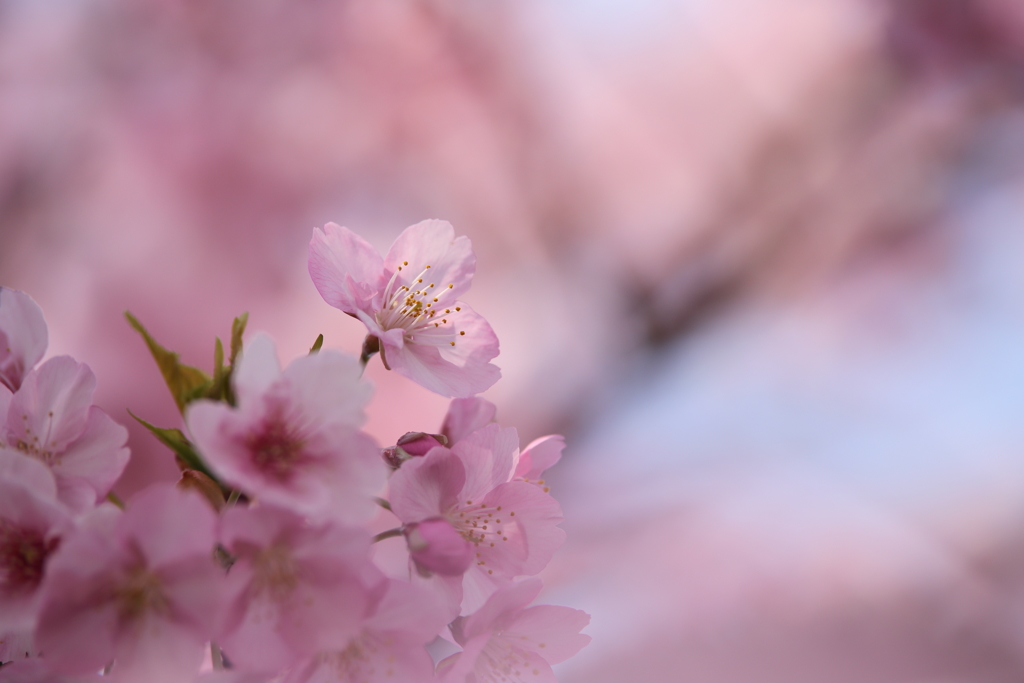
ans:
(139, 588)
(300, 588)
(409, 302)
(51, 419)
(294, 439)
(23, 336)
(507, 641)
(31, 525)
(389, 647)
(511, 524)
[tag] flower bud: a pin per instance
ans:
(411, 445)
(436, 547)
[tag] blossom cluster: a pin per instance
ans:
(259, 564)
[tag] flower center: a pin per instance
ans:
(34, 447)
(505, 663)
(276, 449)
(140, 593)
(23, 554)
(420, 309)
(275, 573)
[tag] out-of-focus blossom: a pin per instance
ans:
(294, 439)
(23, 336)
(35, 671)
(436, 547)
(505, 640)
(51, 419)
(16, 646)
(512, 525)
(31, 525)
(300, 588)
(409, 302)
(141, 589)
(390, 646)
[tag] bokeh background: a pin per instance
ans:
(760, 260)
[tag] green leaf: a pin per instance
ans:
(316, 345)
(237, 329)
(218, 386)
(188, 458)
(185, 382)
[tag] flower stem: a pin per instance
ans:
(390, 533)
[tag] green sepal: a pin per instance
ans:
(187, 457)
(316, 345)
(185, 382)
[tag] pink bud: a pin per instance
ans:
(419, 443)
(436, 547)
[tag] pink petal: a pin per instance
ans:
(541, 454)
(428, 486)
(27, 472)
(465, 416)
(537, 515)
(23, 336)
(550, 631)
(433, 243)
(159, 651)
(257, 369)
(498, 610)
(345, 269)
(409, 613)
(490, 455)
(169, 525)
(460, 371)
(52, 407)
(342, 400)
(98, 456)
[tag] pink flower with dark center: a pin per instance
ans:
(31, 525)
(51, 419)
(409, 302)
(511, 525)
(509, 642)
(294, 440)
(389, 647)
(301, 588)
(140, 588)
(23, 336)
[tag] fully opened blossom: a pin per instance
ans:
(409, 302)
(23, 336)
(141, 589)
(512, 525)
(389, 647)
(51, 419)
(300, 588)
(506, 641)
(294, 438)
(32, 523)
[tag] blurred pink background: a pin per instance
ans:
(760, 261)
